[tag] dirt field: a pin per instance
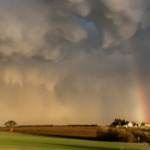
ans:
(82, 132)
(79, 132)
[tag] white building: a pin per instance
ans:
(130, 124)
(147, 124)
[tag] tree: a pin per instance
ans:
(119, 122)
(142, 124)
(10, 123)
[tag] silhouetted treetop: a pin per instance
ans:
(10, 123)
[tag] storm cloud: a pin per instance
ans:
(73, 61)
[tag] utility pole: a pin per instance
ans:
(138, 139)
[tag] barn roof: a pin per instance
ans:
(146, 122)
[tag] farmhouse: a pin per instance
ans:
(131, 124)
(147, 124)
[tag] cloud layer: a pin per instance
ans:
(75, 56)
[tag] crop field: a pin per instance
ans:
(27, 141)
(78, 132)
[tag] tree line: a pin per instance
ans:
(121, 122)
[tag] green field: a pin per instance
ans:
(26, 141)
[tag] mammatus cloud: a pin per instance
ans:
(119, 19)
(54, 56)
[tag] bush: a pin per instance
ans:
(102, 133)
(143, 136)
(115, 135)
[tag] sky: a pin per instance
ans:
(74, 61)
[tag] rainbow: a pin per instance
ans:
(139, 95)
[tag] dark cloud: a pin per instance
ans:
(73, 60)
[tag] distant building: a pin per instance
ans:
(146, 124)
(130, 124)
